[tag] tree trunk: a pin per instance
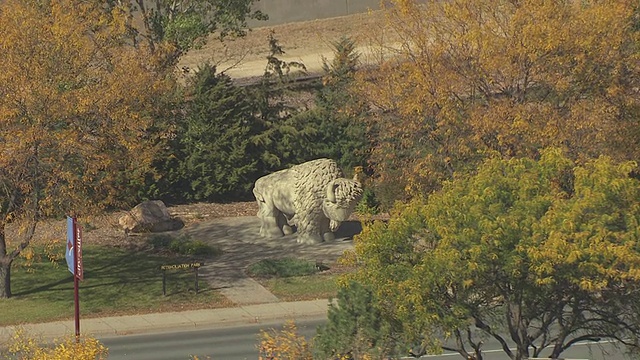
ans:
(5, 266)
(5, 278)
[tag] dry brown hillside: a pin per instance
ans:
(306, 41)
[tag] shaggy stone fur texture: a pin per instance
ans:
(313, 196)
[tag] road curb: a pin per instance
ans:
(184, 320)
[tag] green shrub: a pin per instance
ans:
(160, 241)
(193, 247)
(285, 267)
(176, 246)
(357, 328)
(369, 204)
(183, 245)
(211, 156)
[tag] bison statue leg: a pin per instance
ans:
(272, 220)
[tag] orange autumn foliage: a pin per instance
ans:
(474, 78)
(76, 106)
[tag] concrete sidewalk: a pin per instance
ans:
(148, 323)
(241, 245)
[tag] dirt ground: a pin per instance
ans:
(104, 229)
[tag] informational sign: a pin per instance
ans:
(192, 265)
(70, 251)
(181, 266)
(73, 253)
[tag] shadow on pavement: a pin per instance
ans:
(242, 245)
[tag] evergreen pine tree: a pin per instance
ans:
(284, 139)
(340, 131)
(356, 328)
(212, 155)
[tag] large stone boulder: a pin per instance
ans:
(149, 216)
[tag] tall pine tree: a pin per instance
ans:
(211, 152)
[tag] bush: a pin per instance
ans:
(24, 347)
(357, 328)
(183, 245)
(160, 241)
(193, 247)
(369, 204)
(285, 344)
(333, 128)
(285, 267)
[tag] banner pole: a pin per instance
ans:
(76, 297)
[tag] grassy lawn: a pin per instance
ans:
(297, 288)
(116, 282)
(293, 279)
(282, 268)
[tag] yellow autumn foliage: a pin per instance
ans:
(555, 240)
(78, 101)
(285, 344)
(473, 78)
(77, 108)
(25, 347)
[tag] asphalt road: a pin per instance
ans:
(239, 343)
(581, 351)
(232, 343)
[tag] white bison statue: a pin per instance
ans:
(313, 196)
